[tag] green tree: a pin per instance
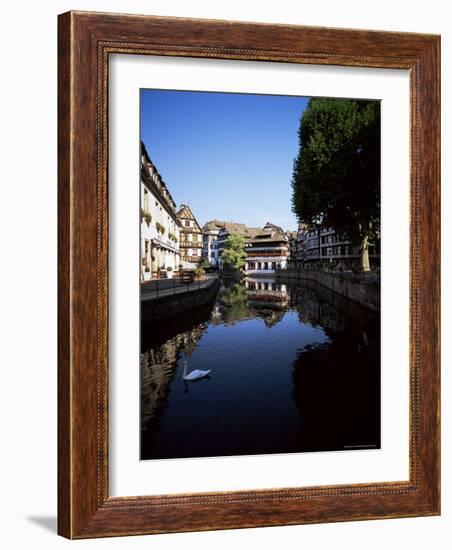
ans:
(234, 251)
(336, 175)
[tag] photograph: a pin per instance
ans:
(235, 228)
(259, 274)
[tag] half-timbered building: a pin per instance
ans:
(190, 235)
(267, 251)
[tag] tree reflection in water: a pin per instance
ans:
(336, 385)
(295, 368)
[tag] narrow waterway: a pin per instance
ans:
(295, 368)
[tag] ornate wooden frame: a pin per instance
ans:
(85, 42)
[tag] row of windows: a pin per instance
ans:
(336, 251)
(343, 250)
(192, 252)
(333, 238)
(251, 285)
(186, 237)
(263, 265)
(158, 182)
(189, 223)
(312, 242)
(160, 212)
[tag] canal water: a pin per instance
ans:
(295, 368)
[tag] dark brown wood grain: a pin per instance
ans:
(64, 296)
(85, 41)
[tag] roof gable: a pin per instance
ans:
(185, 213)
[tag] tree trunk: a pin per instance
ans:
(365, 264)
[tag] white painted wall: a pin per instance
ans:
(169, 256)
(28, 297)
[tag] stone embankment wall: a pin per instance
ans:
(166, 307)
(362, 288)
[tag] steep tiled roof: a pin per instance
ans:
(148, 171)
(270, 233)
(241, 229)
(213, 224)
(234, 228)
(185, 212)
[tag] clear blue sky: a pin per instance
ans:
(229, 156)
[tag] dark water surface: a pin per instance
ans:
(295, 368)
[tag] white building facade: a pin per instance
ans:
(160, 227)
(267, 251)
(210, 232)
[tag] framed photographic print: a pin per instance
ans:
(248, 275)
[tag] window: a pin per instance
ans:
(187, 223)
(146, 201)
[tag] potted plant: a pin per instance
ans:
(146, 216)
(169, 272)
(199, 273)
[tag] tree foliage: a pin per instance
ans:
(336, 175)
(234, 251)
(235, 303)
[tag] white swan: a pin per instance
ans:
(194, 374)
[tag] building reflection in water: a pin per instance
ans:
(157, 367)
(319, 391)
